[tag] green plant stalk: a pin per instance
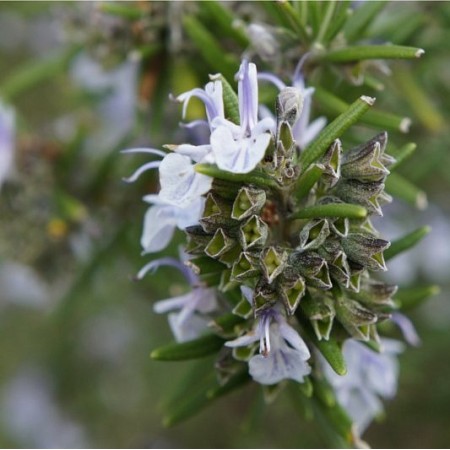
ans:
(363, 52)
(379, 119)
(418, 100)
(197, 348)
(334, 130)
(406, 242)
(307, 180)
(409, 298)
(345, 210)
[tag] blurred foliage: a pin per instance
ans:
(67, 214)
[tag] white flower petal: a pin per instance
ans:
(180, 184)
(238, 156)
(158, 231)
(196, 152)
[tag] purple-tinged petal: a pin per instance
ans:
(153, 266)
(148, 166)
(271, 78)
(186, 330)
(284, 363)
(243, 341)
(293, 338)
(7, 141)
(407, 328)
(151, 151)
(169, 304)
(248, 95)
(211, 97)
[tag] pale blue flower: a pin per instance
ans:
(371, 376)
(191, 319)
(163, 218)
(303, 130)
(181, 185)
(211, 96)
(283, 353)
(7, 141)
(239, 148)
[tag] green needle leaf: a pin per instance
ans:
(37, 71)
(362, 52)
(255, 177)
(331, 210)
(196, 348)
(361, 18)
(400, 187)
(334, 130)
(379, 119)
(330, 349)
(307, 180)
(411, 297)
(230, 99)
(402, 154)
(406, 242)
(209, 47)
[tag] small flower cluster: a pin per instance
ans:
(279, 256)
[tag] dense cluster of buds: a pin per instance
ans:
(279, 253)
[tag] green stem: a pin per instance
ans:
(400, 187)
(345, 210)
(362, 52)
(406, 242)
(334, 130)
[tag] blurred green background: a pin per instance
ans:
(76, 331)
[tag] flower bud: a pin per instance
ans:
(289, 105)
(313, 234)
(313, 267)
(365, 250)
(376, 293)
(365, 163)
(331, 161)
(249, 201)
(219, 244)
(198, 238)
(245, 267)
(355, 318)
(273, 261)
(264, 298)
(320, 312)
(253, 233)
(292, 292)
(216, 214)
(364, 194)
